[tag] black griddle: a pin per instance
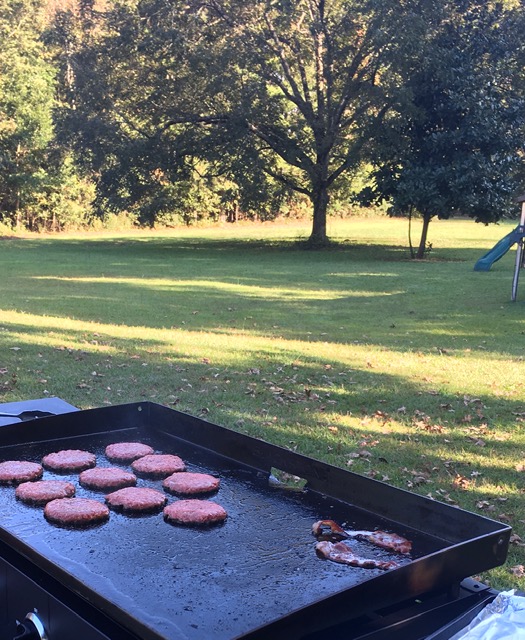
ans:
(257, 575)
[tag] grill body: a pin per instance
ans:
(256, 576)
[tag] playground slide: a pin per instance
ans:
(498, 250)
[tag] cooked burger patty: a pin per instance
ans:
(158, 465)
(69, 460)
(136, 500)
(76, 512)
(191, 512)
(127, 451)
(186, 483)
(101, 478)
(17, 471)
(44, 491)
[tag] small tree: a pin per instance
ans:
(456, 148)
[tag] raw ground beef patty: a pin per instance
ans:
(43, 491)
(136, 500)
(186, 483)
(76, 512)
(195, 512)
(127, 451)
(158, 465)
(102, 478)
(17, 471)
(69, 460)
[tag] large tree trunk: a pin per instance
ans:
(320, 198)
(423, 240)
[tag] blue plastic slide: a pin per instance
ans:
(499, 250)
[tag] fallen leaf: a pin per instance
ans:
(460, 482)
(485, 505)
(479, 442)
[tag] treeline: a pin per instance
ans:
(171, 111)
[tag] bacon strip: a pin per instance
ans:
(328, 530)
(390, 541)
(343, 554)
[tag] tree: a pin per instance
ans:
(26, 102)
(266, 92)
(297, 94)
(456, 149)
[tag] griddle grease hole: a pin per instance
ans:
(279, 479)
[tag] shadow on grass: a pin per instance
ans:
(154, 246)
(99, 365)
(367, 294)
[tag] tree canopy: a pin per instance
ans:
(454, 150)
(228, 104)
(26, 99)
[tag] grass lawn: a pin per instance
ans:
(409, 372)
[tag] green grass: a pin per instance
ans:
(409, 372)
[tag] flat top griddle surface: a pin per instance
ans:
(181, 582)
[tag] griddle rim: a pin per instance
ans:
(465, 555)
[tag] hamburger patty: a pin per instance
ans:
(186, 483)
(158, 465)
(127, 451)
(136, 500)
(194, 512)
(102, 478)
(17, 471)
(43, 491)
(69, 460)
(76, 512)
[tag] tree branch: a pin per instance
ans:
(300, 100)
(286, 148)
(351, 157)
(195, 119)
(288, 182)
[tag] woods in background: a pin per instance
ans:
(176, 111)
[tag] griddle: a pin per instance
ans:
(257, 575)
